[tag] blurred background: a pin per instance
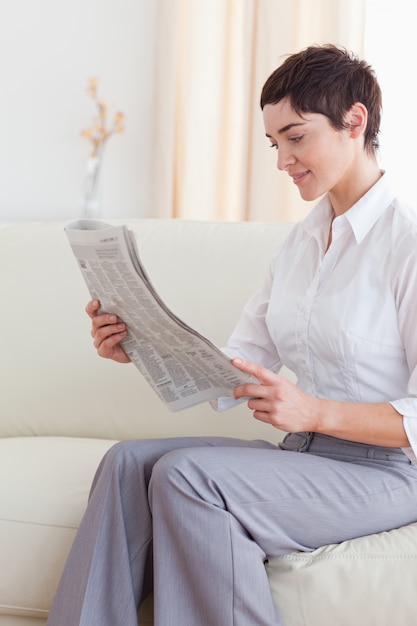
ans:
(187, 75)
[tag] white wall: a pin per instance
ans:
(48, 50)
(390, 48)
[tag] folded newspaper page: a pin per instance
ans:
(183, 367)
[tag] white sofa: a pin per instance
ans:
(62, 407)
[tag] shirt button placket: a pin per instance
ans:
(301, 331)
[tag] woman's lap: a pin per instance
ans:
(278, 494)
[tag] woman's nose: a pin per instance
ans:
(285, 159)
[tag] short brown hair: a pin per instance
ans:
(328, 79)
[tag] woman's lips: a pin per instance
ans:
(298, 178)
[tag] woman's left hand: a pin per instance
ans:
(277, 401)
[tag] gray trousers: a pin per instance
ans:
(210, 511)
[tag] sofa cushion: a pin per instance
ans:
(44, 486)
(350, 580)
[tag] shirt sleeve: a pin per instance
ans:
(405, 291)
(251, 339)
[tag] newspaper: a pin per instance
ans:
(183, 367)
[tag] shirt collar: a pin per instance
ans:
(361, 216)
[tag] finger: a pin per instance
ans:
(107, 331)
(265, 376)
(92, 308)
(257, 405)
(102, 321)
(262, 416)
(250, 390)
(106, 348)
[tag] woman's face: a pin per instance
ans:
(318, 158)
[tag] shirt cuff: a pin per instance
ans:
(224, 403)
(407, 407)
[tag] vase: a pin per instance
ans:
(91, 199)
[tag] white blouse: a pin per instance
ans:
(344, 321)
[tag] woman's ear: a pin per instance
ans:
(356, 119)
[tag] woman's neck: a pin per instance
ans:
(349, 191)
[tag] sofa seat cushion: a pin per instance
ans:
(44, 486)
(350, 580)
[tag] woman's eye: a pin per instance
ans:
(296, 139)
(274, 145)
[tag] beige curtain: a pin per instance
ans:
(210, 159)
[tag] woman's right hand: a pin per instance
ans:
(107, 331)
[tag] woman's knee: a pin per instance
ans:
(168, 464)
(184, 471)
(134, 459)
(113, 462)
(170, 469)
(117, 455)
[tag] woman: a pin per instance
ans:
(337, 307)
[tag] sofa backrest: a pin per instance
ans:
(52, 381)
